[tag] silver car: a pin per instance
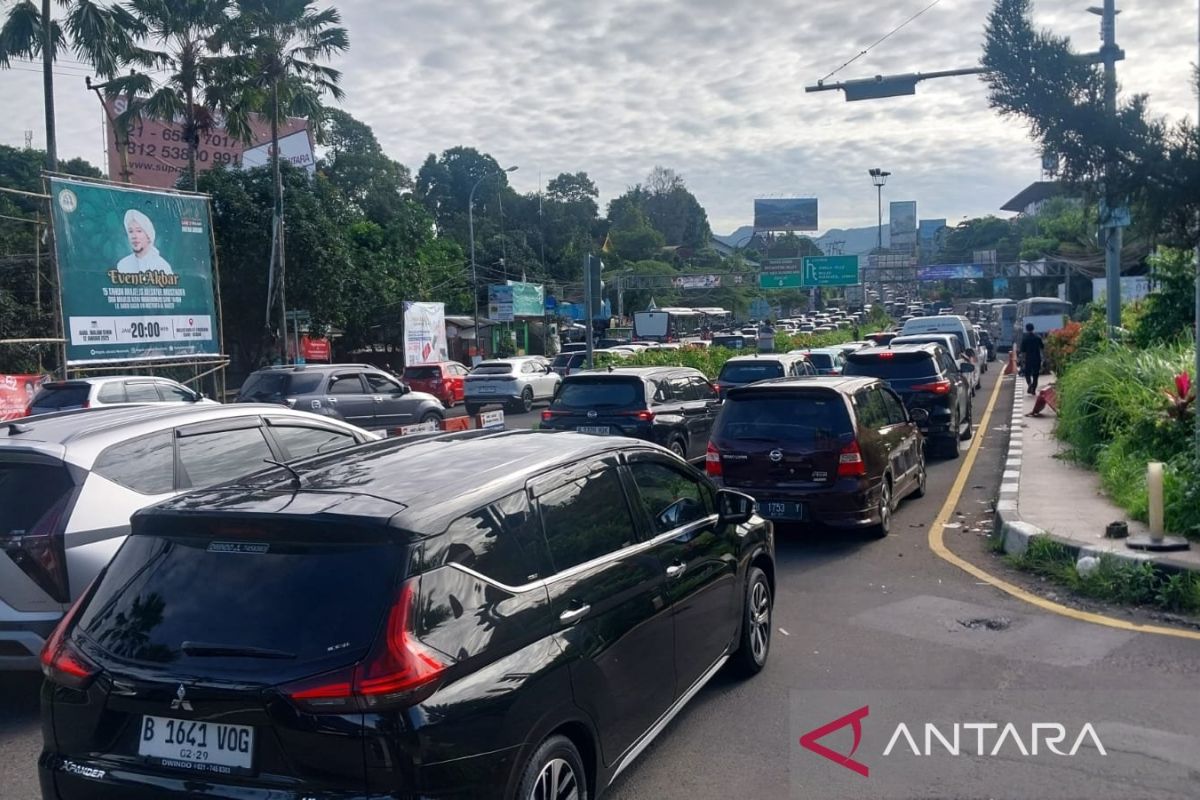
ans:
(515, 382)
(111, 390)
(70, 481)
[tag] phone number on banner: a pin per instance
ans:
(126, 330)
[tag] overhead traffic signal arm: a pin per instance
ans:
(888, 85)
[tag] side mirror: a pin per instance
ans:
(405, 388)
(966, 368)
(918, 416)
(734, 508)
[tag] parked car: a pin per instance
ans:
(517, 383)
(928, 380)
(69, 482)
(735, 341)
(989, 344)
(360, 394)
(826, 360)
(442, 379)
(834, 451)
(111, 390)
(473, 615)
(741, 370)
(670, 406)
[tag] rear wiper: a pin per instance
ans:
(208, 650)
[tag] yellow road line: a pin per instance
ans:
(938, 545)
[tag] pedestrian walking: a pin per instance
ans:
(1031, 358)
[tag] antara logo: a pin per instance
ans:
(955, 739)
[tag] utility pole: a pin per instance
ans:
(587, 307)
(1196, 323)
(879, 178)
(1110, 54)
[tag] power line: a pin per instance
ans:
(880, 41)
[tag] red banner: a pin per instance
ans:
(16, 393)
(314, 349)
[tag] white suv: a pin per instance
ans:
(515, 382)
(110, 390)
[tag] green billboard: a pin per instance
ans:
(528, 299)
(136, 273)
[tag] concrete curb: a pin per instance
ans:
(1014, 532)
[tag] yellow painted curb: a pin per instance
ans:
(938, 545)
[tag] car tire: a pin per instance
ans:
(950, 447)
(554, 772)
(431, 416)
(754, 643)
(884, 526)
(525, 404)
(965, 435)
(922, 480)
(678, 447)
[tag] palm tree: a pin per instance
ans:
(185, 33)
(98, 34)
(276, 46)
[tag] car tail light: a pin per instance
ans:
(548, 415)
(940, 387)
(712, 461)
(398, 671)
(640, 416)
(62, 663)
(39, 552)
(717, 388)
(850, 461)
(887, 355)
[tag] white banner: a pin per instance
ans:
(425, 333)
(296, 148)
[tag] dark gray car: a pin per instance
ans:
(357, 393)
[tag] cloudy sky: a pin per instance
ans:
(711, 88)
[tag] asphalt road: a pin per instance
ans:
(889, 626)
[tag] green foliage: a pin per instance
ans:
(1046, 557)
(1170, 312)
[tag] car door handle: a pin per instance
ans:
(331, 400)
(675, 570)
(574, 613)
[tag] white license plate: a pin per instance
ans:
(487, 389)
(599, 430)
(211, 747)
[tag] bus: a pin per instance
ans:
(1044, 313)
(667, 325)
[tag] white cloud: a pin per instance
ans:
(710, 88)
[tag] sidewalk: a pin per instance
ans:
(1041, 495)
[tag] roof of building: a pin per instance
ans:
(1033, 193)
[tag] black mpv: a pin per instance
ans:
(507, 615)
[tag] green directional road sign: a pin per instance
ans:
(831, 271)
(780, 280)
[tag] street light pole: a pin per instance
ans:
(1114, 234)
(1196, 323)
(471, 235)
(879, 178)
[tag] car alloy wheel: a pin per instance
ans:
(922, 480)
(760, 621)
(527, 400)
(677, 448)
(556, 781)
(884, 526)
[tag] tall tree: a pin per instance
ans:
(181, 35)
(278, 46)
(98, 34)
(357, 165)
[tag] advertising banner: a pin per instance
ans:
(500, 303)
(903, 225)
(156, 153)
(425, 333)
(16, 393)
(697, 282)
(793, 214)
(950, 272)
(136, 267)
(295, 148)
(528, 299)
(1132, 289)
(314, 349)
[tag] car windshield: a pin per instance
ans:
(493, 368)
(67, 395)
(899, 366)
(569, 359)
(815, 420)
(273, 385)
(422, 373)
(600, 393)
(750, 371)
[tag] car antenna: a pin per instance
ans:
(610, 367)
(297, 481)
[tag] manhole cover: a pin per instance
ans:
(986, 623)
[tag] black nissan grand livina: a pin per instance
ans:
(462, 615)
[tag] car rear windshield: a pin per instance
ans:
(27, 491)
(900, 366)
(422, 373)
(812, 419)
(266, 386)
(67, 395)
(750, 371)
(821, 360)
(601, 393)
(734, 342)
(492, 368)
(569, 359)
(304, 597)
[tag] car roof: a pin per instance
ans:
(315, 367)
(768, 357)
(914, 347)
(418, 485)
(911, 338)
(848, 384)
(85, 432)
(641, 372)
(98, 379)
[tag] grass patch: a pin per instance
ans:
(1112, 580)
